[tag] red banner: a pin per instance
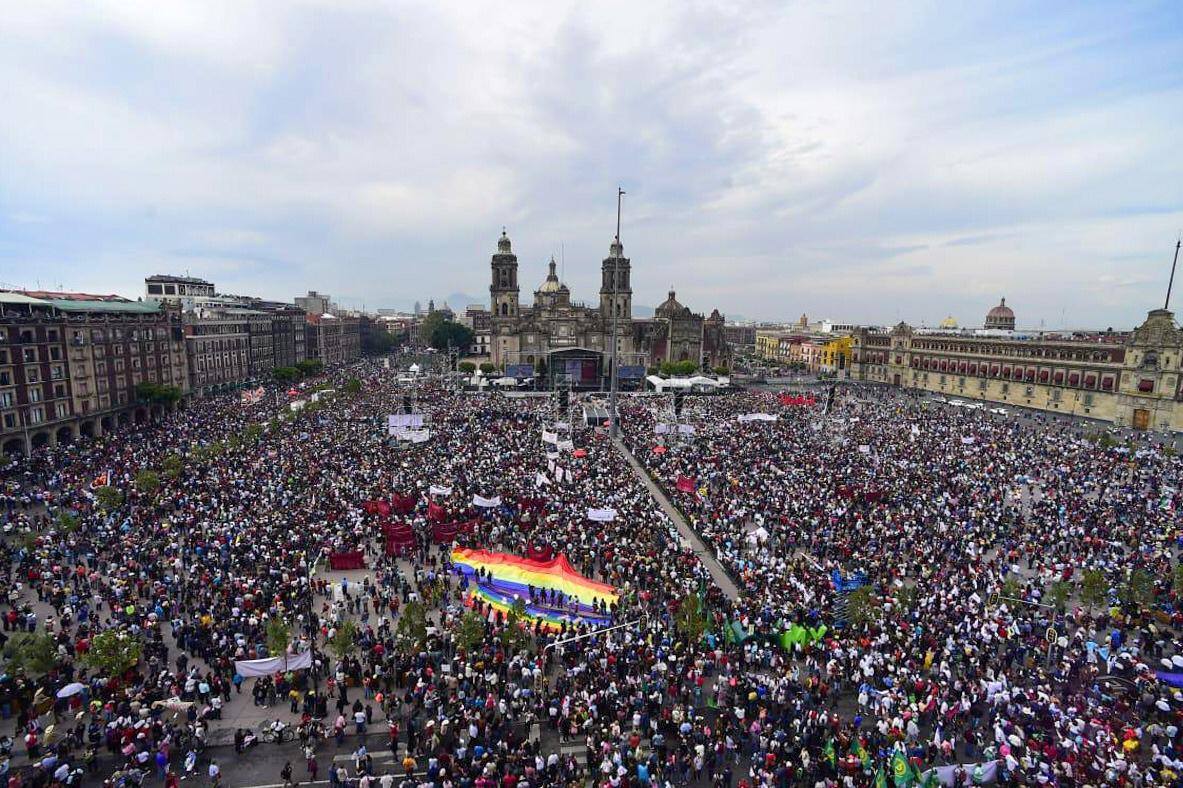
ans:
(435, 513)
(797, 400)
(343, 561)
(685, 484)
(403, 504)
(540, 552)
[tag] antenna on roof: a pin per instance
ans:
(1171, 281)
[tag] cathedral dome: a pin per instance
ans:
(552, 284)
(503, 244)
(949, 322)
(669, 306)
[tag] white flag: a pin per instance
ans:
(601, 515)
(566, 445)
(436, 489)
(487, 503)
(550, 437)
(540, 479)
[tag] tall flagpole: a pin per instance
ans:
(1170, 283)
(615, 314)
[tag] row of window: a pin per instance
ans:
(1035, 351)
(1059, 377)
(1056, 395)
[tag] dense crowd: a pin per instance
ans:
(206, 539)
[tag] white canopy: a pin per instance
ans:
(413, 368)
(505, 382)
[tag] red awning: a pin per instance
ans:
(1074, 379)
(1059, 376)
(1044, 376)
(1145, 385)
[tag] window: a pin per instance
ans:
(7, 400)
(55, 353)
(30, 355)
(27, 335)
(36, 415)
(1056, 395)
(982, 385)
(10, 421)
(154, 290)
(3, 356)
(59, 390)
(35, 394)
(5, 377)
(1030, 391)
(57, 372)
(32, 375)
(51, 335)
(61, 410)
(1088, 400)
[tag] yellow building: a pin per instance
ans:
(835, 355)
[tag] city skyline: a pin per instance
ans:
(871, 165)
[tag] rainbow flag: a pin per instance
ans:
(510, 577)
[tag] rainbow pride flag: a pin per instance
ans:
(510, 577)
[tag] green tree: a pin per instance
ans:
(410, 634)
(467, 367)
(173, 465)
(377, 342)
(157, 394)
(67, 522)
(692, 619)
(906, 598)
(113, 652)
(32, 653)
(352, 386)
(488, 368)
(1058, 593)
(344, 640)
(278, 637)
(109, 498)
(678, 368)
(1012, 588)
(721, 369)
(1094, 589)
(252, 433)
(1137, 592)
(470, 631)
(1177, 578)
(285, 374)
(147, 482)
(309, 367)
(514, 637)
(862, 606)
(450, 334)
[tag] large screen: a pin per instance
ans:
(582, 370)
(631, 372)
(519, 370)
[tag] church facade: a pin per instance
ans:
(557, 336)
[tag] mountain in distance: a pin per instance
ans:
(459, 301)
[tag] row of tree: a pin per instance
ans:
(307, 368)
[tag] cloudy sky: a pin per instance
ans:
(861, 161)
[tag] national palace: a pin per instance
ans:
(1130, 379)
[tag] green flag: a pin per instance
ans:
(858, 751)
(828, 753)
(901, 770)
(880, 778)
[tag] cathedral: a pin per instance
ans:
(571, 342)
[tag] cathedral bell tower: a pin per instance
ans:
(616, 292)
(503, 291)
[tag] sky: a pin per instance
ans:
(863, 162)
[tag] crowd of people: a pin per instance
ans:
(927, 550)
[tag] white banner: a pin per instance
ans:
(947, 774)
(550, 437)
(414, 436)
(661, 428)
(541, 479)
(552, 455)
(566, 445)
(297, 405)
(756, 417)
(688, 429)
(601, 515)
(437, 489)
(967, 441)
(487, 503)
(404, 420)
(253, 668)
(864, 449)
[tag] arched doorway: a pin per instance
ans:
(141, 415)
(65, 434)
(14, 446)
(124, 419)
(107, 423)
(40, 439)
(86, 428)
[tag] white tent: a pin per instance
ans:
(662, 384)
(703, 380)
(413, 368)
(505, 382)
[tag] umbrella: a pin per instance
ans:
(71, 689)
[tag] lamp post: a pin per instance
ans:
(614, 416)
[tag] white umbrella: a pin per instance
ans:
(70, 690)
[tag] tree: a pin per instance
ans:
(352, 386)
(1012, 588)
(173, 465)
(467, 367)
(309, 367)
(1138, 590)
(906, 598)
(1058, 593)
(285, 374)
(157, 394)
(862, 606)
(488, 368)
(1094, 590)
(470, 631)
(278, 637)
(678, 368)
(32, 653)
(147, 482)
(113, 652)
(721, 369)
(67, 522)
(514, 637)
(1177, 578)
(344, 640)
(692, 619)
(442, 333)
(377, 342)
(252, 433)
(410, 634)
(109, 498)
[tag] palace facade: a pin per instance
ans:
(1130, 380)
